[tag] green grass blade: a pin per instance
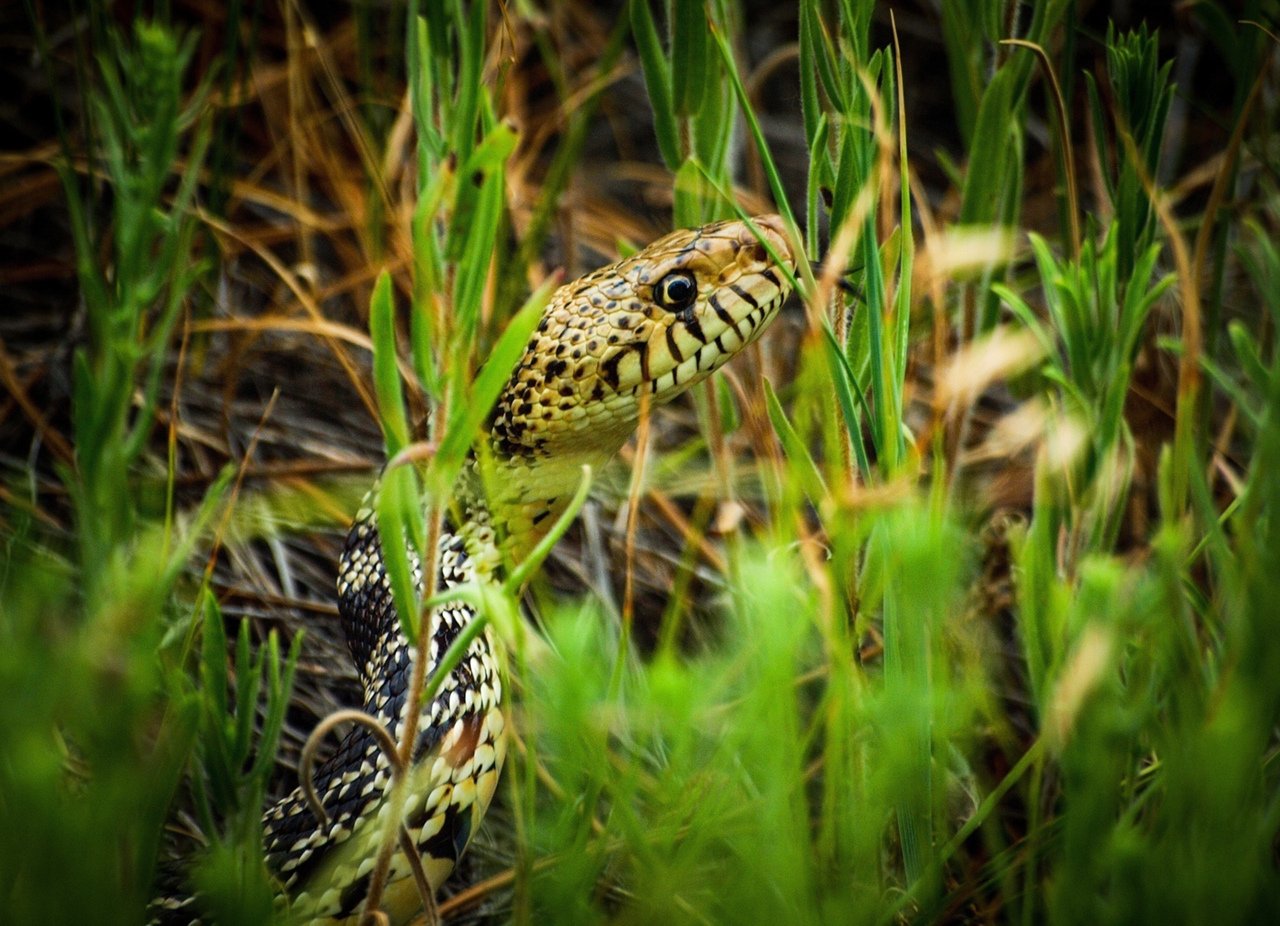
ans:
(386, 370)
(658, 81)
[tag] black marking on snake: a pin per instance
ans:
(429, 737)
(744, 295)
(720, 310)
(353, 895)
(342, 806)
(772, 277)
(461, 835)
(672, 345)
(609, 368)
(695, 327)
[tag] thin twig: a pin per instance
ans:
(307, 760)
(425, 890)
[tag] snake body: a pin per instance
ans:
(635, 333)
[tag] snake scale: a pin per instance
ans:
(650, 325)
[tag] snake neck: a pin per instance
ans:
(507, 501)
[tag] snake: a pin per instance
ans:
(608, 346)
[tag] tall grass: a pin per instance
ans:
(897, 712)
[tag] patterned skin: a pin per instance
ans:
(633, 334)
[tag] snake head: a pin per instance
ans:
(641, 331)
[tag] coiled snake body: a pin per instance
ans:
(649, 325)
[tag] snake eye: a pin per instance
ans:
(676, 291)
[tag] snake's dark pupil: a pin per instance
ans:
(676, 290)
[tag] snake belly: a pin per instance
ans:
(609, 345)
